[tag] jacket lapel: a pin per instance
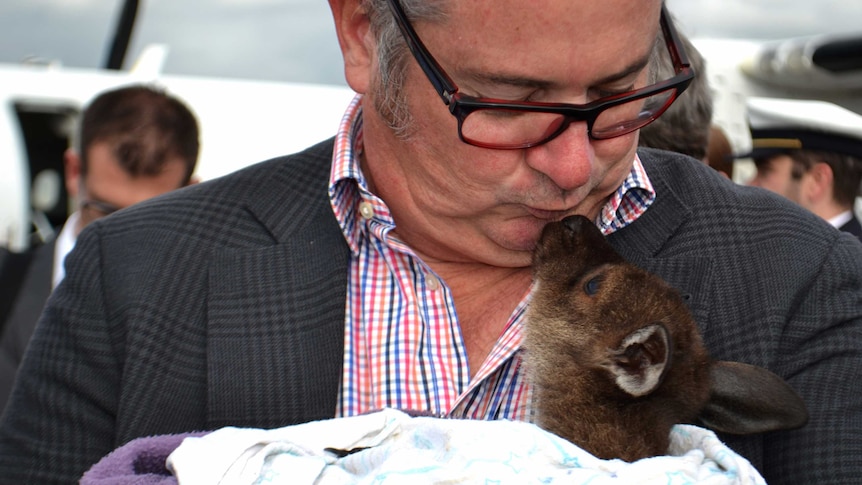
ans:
(275, 318)
(642, 242)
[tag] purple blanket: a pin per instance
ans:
(138, 462)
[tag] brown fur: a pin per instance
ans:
(587, 300)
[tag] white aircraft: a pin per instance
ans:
(243, 122)
(826, 68)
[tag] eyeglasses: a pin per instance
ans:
(98, 208)
(490, 123)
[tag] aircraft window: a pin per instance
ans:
(840, 56)
(47, 133)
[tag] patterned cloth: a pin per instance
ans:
(403, 346)
(389, 447)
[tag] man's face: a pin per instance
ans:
(776, 174)
(107, 185)
(454, 202)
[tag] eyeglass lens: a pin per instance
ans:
(514, 128)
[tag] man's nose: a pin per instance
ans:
(567, 159)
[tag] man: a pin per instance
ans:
(391, 265)
(136, 142)
(811, 153)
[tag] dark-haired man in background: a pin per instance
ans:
(135, 142)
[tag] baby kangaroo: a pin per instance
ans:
(616, 358)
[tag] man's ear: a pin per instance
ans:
(356, 40)
(821, 182)
(72, 171)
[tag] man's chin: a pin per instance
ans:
(520, 235)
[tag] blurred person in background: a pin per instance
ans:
(134, 142)
(811, 153)
(720, 152)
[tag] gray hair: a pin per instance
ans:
(685, 126)
(394, 55)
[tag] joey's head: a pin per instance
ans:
(616, 358)
(610, 316)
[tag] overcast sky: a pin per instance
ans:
(294, 39)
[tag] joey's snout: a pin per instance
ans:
(577, 224)
(575, 237)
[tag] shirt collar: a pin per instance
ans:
(841, 219)
(349, 195)
(63, 246)
(629, 201)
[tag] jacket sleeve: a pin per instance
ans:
(821, 348)
(60, 417)
(813, 339)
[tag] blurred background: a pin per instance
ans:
(294, 40)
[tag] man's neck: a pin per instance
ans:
(485, 298)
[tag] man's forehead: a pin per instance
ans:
(598, 41)
(773, 161)
(578, 19)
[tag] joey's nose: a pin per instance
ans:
(576, 223)
(589, 241)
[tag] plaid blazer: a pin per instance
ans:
(223, 304)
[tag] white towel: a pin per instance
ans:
(398, 449)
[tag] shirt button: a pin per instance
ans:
(432, 282)
(366, 210)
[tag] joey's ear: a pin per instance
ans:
(747, 399)
(641, 360)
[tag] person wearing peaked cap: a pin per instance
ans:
(810, 152)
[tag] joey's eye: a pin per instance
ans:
(591, 287)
